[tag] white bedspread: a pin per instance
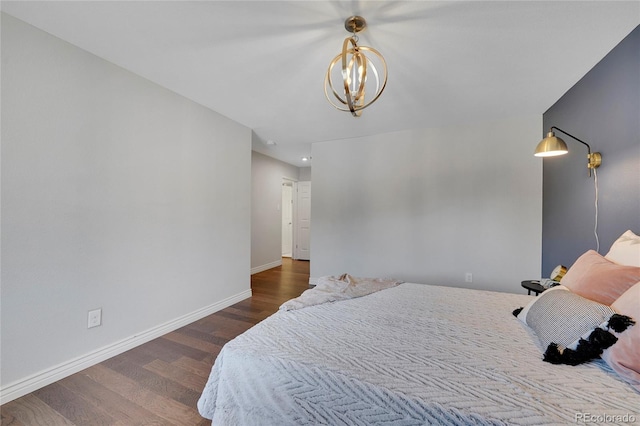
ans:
(409, 355)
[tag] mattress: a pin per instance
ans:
(414, 354)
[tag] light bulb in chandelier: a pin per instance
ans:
(346, 86)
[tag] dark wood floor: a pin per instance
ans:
(157, 383)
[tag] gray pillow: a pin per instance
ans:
(561, 316)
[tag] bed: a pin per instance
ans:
(412, 354)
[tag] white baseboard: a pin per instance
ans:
(36, 381)
(266, 266)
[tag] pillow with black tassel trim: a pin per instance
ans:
(591, 346)
(571, 329)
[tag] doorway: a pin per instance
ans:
(287, 218)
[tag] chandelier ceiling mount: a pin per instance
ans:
(355, 24)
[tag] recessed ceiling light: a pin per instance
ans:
(306, 158)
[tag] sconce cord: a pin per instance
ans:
(595, 228)
(595, 183)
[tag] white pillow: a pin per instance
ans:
(625, 250)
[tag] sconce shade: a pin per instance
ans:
(551, 146)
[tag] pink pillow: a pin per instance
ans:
(596, 278)
(624, 355)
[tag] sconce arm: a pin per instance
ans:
(569, 134)
(594, 159)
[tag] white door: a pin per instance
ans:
(287, 219)
(303, 221)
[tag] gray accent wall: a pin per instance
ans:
(602, 109)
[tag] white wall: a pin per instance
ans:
(266, 212)
(430, 205)
(116, 193)
(305, 174)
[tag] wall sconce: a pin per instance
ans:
(553, 145)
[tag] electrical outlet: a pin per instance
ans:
(94, 318)
(468, 277)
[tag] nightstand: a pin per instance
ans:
(533, 286)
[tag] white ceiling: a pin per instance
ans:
(262, 63)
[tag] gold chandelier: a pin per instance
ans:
(350, 83)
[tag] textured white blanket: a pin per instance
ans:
(409, 355)
(332, 289)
